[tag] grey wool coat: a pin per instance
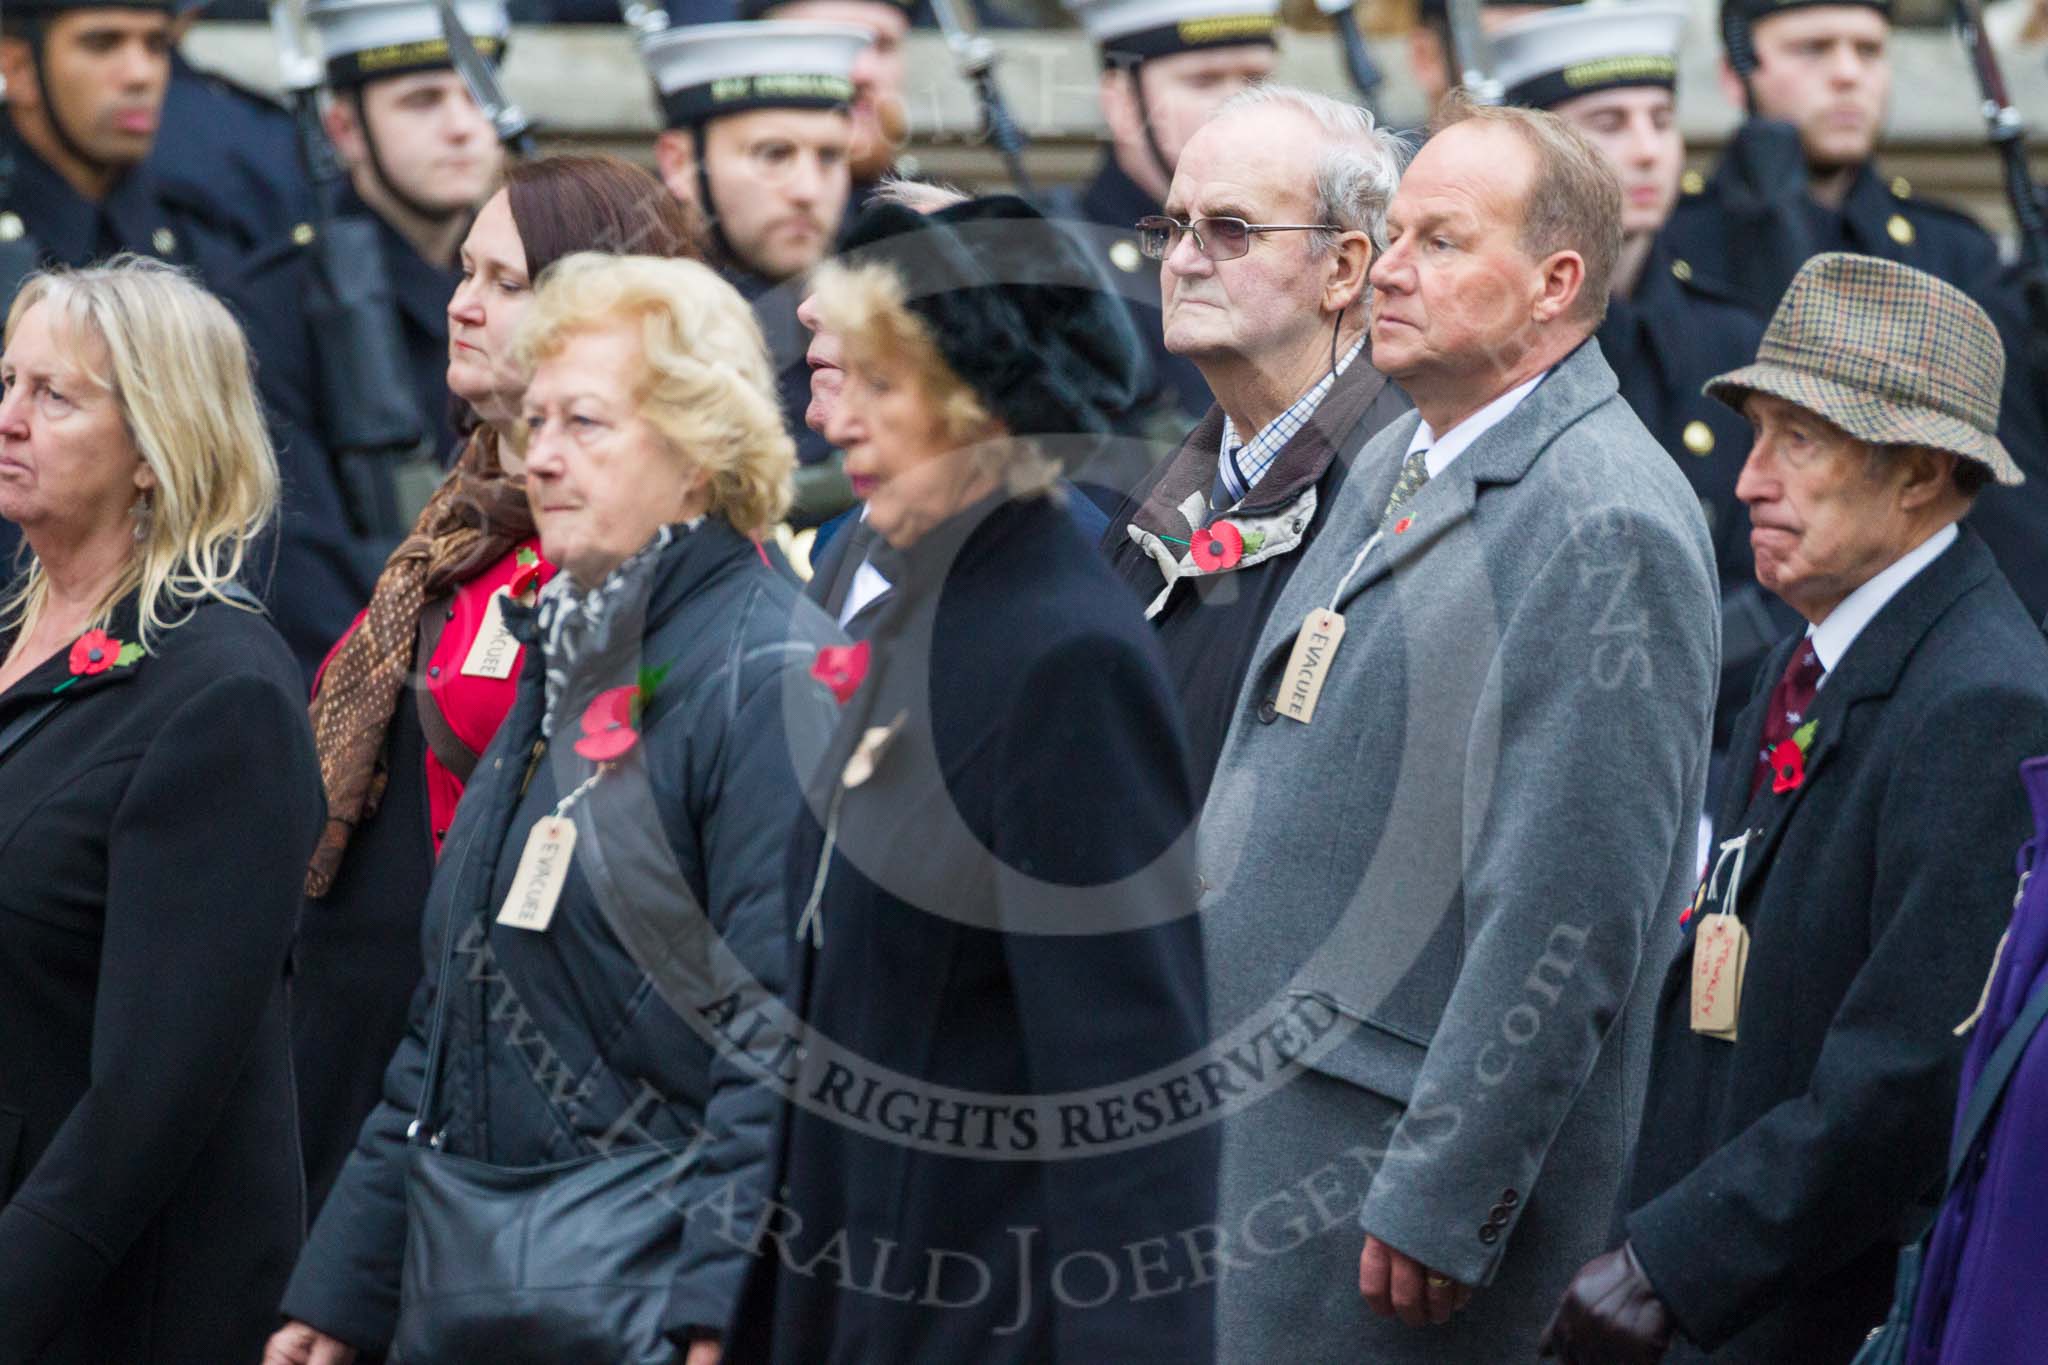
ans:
(1429, 909)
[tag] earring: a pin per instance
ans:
(141, 510)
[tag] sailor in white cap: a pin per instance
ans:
(1166, 66)
(757, 137)
(1611, 70)
(880, 119)
(421, 157)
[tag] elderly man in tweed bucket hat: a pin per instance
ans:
(1806, 1051)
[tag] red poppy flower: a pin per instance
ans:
(94, 652)
(530, 566)
(841, 668)
(608, 731)
(1403, 524)
(1788, 766)
(1217, 547)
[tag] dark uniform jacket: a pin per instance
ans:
(1711, 232)
(326, 563)
(1036, 788)
(1664, 343)
(1209, 624)
(154, 831)
(1115, 202)
(230, 158)
(553, 1038)
(1776, 1177)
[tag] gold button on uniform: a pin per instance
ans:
(1699, 438)
(164, 240)
(11, 228)
(1126, 257)
(1682, 269)
(1902, 187)
(1899, 229)
(1692, 182)
(302, 235)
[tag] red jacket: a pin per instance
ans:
(473, 706)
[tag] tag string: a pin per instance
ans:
(1738, 849)
(811, 923)
(1357, 562)
(582, 788)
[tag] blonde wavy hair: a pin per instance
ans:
(705, 385)
(177, 365)
(867, 308)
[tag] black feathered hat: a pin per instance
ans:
(1018, 310)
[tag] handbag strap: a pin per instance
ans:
(26, 724)
(1991, 1082)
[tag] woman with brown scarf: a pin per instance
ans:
(419, 684)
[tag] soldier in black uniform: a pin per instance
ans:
(85, 87)
(1612, 73)
(1165, 68)
(228, 154)
(881, 122)
(420, 157)
(757, 138)
(1799, 178)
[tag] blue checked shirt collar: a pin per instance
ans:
(1242, 466)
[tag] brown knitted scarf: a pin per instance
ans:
(474, 519)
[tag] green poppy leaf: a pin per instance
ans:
(526, 558)
(1253, 540)
(1803, 736)
(128, 655)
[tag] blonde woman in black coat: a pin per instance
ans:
(158, 800)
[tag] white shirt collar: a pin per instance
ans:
(1449, 446)
(1833, 636)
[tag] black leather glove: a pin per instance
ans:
(1609, 1314)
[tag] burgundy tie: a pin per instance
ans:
(1791, 699)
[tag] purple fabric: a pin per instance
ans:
(1980, 1293)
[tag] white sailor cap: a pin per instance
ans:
(702, 71)
(366, 40)
(1545, 59)
(1133, 30)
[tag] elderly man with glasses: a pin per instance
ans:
(1276, 212)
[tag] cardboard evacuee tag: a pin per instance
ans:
(1301, 686)
(494, 653)
(543, 869)
(1720, 955)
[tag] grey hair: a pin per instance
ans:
(1358, 166)
(919, 196)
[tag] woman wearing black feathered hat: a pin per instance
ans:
(995, 949)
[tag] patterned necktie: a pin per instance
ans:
(1791, 699)
(1414, 474)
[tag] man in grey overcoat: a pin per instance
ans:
(1455, 810)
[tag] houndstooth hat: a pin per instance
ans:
(1887, 353)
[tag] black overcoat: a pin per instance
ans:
(1038, 755)
(154, 831)
(1777, 1176)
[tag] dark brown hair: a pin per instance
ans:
(582, 202)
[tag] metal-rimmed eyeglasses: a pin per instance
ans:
(1220, 239)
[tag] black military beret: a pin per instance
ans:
(1018, 309)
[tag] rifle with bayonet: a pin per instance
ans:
(19, 254)
(1465, 52)
(1365, 72)
(2008, 136)
(374, 432)
(515, 129)
(975, 55)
